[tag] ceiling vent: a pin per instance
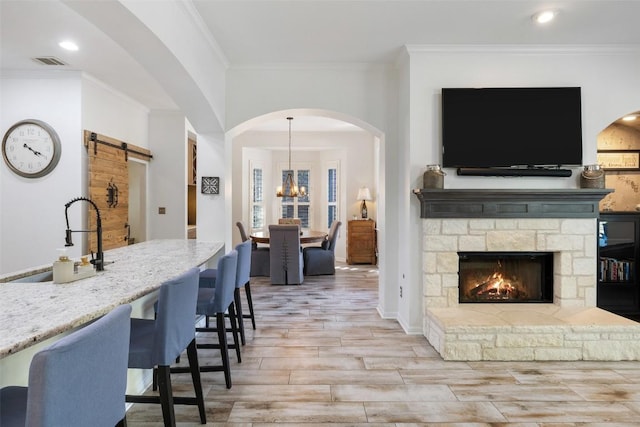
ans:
(49, 60)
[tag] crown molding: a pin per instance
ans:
(315, 66)
(524, 49)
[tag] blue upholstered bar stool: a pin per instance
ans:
(208, 280)
(158, 342)
(79, 380)
(215, 302)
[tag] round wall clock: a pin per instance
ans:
(31, 148)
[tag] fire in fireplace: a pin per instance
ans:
(497, 277)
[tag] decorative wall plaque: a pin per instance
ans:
(619, 159)
(210, 185)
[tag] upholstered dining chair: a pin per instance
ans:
(259, 256)
(320, 260)
(286, 255)
(243, 280)
(80, 380)
(158, 343)
(243, 233)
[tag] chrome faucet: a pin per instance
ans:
(99, 260)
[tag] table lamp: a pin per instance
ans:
(364, 194)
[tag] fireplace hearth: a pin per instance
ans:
(505, 277)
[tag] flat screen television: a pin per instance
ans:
(532, 127)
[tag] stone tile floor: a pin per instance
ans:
(321, 355)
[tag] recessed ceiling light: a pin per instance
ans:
(629, 118)
(545, 16)
(68, 45)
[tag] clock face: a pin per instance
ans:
(31, 148)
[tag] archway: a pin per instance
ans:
(619, 153)
(236, 142)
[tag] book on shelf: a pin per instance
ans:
(615, 270)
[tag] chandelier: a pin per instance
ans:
(289, 187)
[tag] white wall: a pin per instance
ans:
(610, 82)
(211, 207)
(168, 175)
(113, 114)
(391, 302)
(33, 221)
(363, 92)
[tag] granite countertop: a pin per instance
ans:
(33, 312)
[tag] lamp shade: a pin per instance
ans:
(364, 194)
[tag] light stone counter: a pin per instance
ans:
(33, 312)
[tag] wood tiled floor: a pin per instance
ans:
(321, 355)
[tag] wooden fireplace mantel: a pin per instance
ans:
(510, 203)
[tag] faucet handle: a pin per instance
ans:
(67, 239)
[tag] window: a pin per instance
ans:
(257, 199)
(298, 207)
(332, 195)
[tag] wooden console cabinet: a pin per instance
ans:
(361, 242)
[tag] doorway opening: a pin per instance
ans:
(137, 221)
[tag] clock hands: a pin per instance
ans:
(37, 153)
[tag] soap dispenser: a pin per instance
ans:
(62, 268)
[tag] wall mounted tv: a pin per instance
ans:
(512, 131)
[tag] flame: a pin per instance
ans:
(499, 285)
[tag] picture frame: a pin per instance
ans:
(210, 185)
(619, 160)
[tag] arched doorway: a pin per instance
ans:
(262, 140)
(619, 153)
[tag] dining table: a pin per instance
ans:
(306, 236)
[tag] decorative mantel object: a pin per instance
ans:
(433, 177)
(210, 185)
(592, 177)
(510, 203)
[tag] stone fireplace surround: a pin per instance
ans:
(561, 221)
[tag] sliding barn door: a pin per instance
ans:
(109, 189)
